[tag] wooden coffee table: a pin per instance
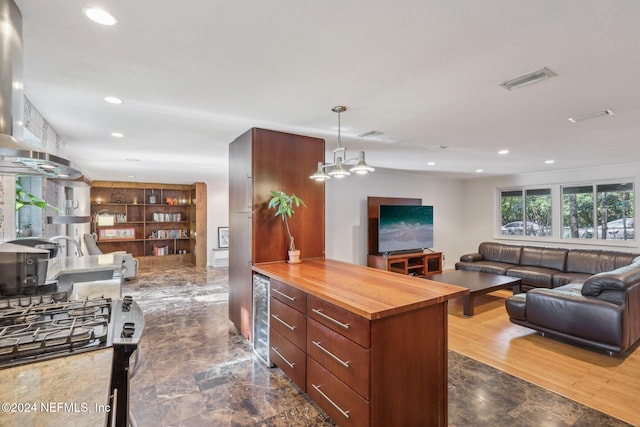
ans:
(478, 283)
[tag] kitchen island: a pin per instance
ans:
(66, 391)
(368, 346)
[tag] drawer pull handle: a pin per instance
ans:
(292, 299)
(343, 412)
(275, 350)
(319, 312)
(336, 358)
(291, 328)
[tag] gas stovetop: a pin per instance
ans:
(44, 327)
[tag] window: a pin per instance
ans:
(598, 211)
(577, 212)
(526, 212)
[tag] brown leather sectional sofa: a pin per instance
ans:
(540, 267)
(588, 297)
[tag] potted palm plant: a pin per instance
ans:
(284, 205)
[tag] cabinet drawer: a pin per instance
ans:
(289, 295)
(289, 358)
(340, 320)
(347, 360)
(289, 323)
(342, 404)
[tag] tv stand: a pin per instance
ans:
(415, 264)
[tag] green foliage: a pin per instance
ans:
(511, 207)
(284, 205)
(26, 199)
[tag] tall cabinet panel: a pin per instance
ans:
(260, 161)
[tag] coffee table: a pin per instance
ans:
(478, 283)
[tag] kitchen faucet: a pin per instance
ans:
(77, 250)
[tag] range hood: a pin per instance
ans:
(18, 158)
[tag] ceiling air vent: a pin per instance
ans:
(527, 79)
(587, 116)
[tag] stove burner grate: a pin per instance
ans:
(40, 329)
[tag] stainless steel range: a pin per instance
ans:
(46, 326)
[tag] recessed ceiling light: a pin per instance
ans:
(113, 100)
(131, 176)
(587, 116)
(117, 134)
(431, 163)
(100, 16)
(132, 160)
(479, 170)
(503, 152)
(549, 162)
(527, 79)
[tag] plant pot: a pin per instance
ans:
(26, 232)
(294, 257)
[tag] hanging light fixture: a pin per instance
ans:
(337, 169)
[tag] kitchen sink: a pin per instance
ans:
(87, 276)
(91, 284)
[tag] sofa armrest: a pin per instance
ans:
(615, 280)
(474, 257)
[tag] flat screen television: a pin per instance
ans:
(404, 228)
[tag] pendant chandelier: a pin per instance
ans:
(337, 168)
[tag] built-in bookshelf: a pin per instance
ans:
(156, 223)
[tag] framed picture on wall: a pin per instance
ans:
(223, 237)
(127, 233)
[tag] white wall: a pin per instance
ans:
(217, 211)
(479, 198)
(346, 212)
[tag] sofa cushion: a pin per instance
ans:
(499, 252)
(620, 259)
(553, 258)
(484, 266)
(583, 261)
(561, 279)
(596, 261)
(538, 277)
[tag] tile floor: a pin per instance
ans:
(198, 371)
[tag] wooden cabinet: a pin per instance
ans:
(260, 161)
(288, 332)
(376, 344)
(415, 264)
(157, 223)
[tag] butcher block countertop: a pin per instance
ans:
(66, 391)
(367, 292)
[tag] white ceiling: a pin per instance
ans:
(195, 74)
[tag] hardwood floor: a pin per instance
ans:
(608, 384)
